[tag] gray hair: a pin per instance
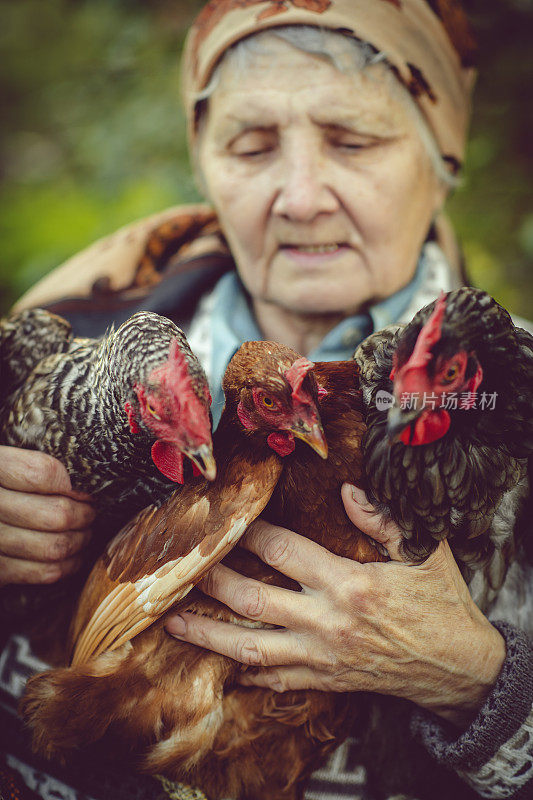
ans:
(348, 54)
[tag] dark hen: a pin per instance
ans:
(455, 465)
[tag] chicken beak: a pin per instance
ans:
(313, 435)
(204, 460)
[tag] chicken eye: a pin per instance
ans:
(268, 401)
(451, 373)
(152, 411)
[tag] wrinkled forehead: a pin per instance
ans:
(287, 84)
(428, 45)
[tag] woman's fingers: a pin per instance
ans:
(284, 679)
(366, 518)
(257, 648)
(256, 600)
(39, 557)
(31, 471)
(295, 556)
(40, 546)
(43, 521)
(43, 512)
(17, 570)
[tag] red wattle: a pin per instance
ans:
(281, 443)
(430, 426)
(195, 470)
(168, 460)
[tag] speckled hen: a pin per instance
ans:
(119, 412)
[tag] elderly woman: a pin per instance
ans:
(326, 135)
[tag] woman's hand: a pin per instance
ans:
(43, 523)
(393, 628)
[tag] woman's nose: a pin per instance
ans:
(304, 189)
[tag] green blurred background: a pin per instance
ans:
(93, 134)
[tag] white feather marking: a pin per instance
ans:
(201, 735)
(173, 580)
(506, 513)
(456, 516)
(164, 551)
(203, 689)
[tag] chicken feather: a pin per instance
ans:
(158, 557)
(120, 413)
(189, 717)
(81, 401)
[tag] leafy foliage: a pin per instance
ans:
(94, 135)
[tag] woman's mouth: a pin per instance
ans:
(314, 252)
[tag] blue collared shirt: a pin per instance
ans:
(232, 322)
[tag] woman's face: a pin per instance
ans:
(323, 188)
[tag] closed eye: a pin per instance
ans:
(349, 145)
(251, 154)
(253, 143)
(352, 141)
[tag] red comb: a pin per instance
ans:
(178, 359)
(174, 377)
(174, 373)
(429, 335)
(296, 375)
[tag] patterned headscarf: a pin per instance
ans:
(427, 43)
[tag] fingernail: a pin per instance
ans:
(176, 626)
(51, 574)
(360, 497)
(356, 493)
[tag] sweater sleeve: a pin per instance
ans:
(495, 754)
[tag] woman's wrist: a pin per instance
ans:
(475, 672)
(506, 708)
